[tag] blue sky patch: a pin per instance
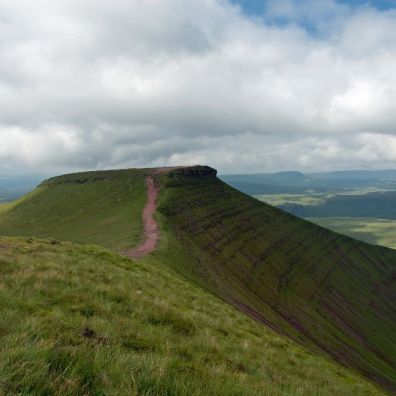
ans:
(257, 7)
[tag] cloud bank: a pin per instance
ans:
(102, 84)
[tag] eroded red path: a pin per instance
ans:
(151, 230)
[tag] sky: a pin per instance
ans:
(241, 85)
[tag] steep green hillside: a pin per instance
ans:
(79, 320)
(91, 207)
(331, 293)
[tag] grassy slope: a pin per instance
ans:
(331, 293)
(240, 248)
(376, 231)
(92, 207)
(79, 320)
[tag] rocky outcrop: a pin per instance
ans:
(194, 172)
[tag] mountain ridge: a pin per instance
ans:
(331, 294)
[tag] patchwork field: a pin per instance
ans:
(311, 199)
(378, 204)
(376, 231)
(379, 231)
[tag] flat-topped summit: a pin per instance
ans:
(194, 171)
(109, 175)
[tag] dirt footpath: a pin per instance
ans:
(151, 230)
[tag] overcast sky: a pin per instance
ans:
(243, 86)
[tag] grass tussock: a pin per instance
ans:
(79, 320)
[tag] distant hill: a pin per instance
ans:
(291, 178)
(299, 183)
(378, 175)
(333, 295)
(273, 183)
(253, 188)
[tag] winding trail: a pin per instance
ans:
(151, 229)
(151, 232)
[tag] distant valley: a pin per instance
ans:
(14, 186)
(293, 182)
(360, 204)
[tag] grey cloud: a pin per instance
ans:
(142, 83)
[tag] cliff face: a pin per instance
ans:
(194, 172)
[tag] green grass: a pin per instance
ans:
(331, 294)
(103, 208)
(80, 320)
(376, 231)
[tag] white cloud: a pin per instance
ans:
(145, 82)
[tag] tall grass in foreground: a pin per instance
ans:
(79, 320)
